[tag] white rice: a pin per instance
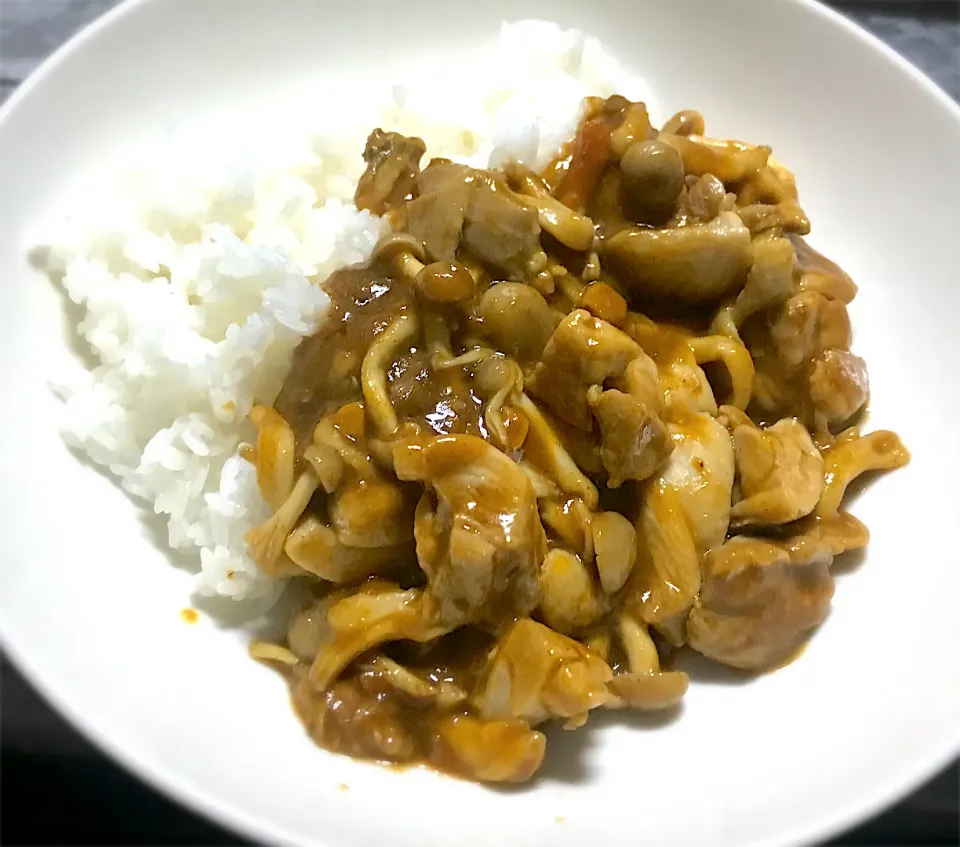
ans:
(196, 272)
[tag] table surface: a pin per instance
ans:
(98, 803)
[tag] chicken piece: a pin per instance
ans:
(839, 386)
(501, 232)
(682, 514)
(489, 751)
(317, 549)
(437, 214)
(701, 470)
(641, 381)
(758, 598)
(696, 264)
(782, 217)
(818, 274)
(803, 368)
(780, 472)
(681, 383)
(685, 387)
(570, 599)
(459, 205)
(582, 351)
(535, 674)
(374, 614)
(393, 162)
(480, 544)
(770, 279)
(634, 441)
(373, 512)
(794, 329)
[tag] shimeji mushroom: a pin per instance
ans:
(569, 228)
(729, 161)
(318, 549)
(544, 451)
(685, 122)
(570, 599)
(373, 372)
(276, 462)
(853, 456)
(517, 320)
(266, 541)
(615, 549)
(651, 181)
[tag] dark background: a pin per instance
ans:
(55, 788)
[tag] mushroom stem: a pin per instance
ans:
(735, 359)
(266, 541)
(878, 451)
(563, 223)
(373, 370)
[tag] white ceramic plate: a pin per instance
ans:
(90, 606)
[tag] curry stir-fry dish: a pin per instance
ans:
(562, 426)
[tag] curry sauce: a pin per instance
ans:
(559, 427)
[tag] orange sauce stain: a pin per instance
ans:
(343, 786)
(189, 615)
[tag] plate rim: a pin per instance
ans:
(197, 799)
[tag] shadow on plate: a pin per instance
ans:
(704, 671)
(567, 758)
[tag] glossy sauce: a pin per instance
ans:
(434, 390)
